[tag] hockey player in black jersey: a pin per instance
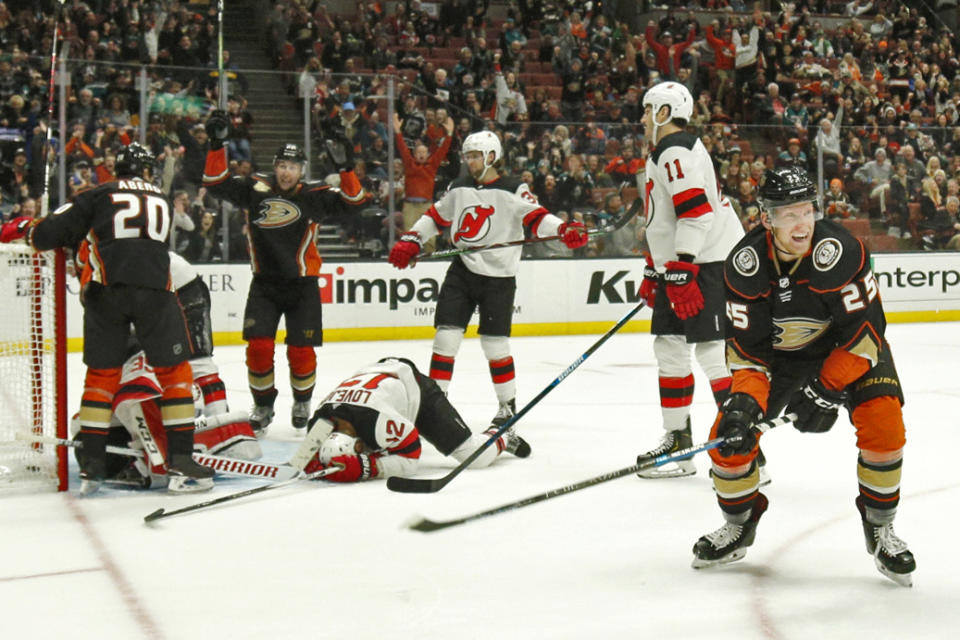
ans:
(806, 333)
(284, 214)
(126, 282)
(479, 209)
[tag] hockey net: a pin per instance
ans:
(32, 368)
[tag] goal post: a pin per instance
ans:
(33, 399)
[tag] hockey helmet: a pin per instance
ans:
(786, 186)
(290, 152)
(337, 444)
(484, 142)
(132, 160)
(670, 94)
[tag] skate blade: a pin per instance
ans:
(902, 579)
(185, 484)
(679, 469)
(89, 487)
(764, 477)
(733, 556)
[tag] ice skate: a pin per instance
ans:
(507, 410)
(185, 475)
(92, 474)
(299, 415)
(672, 442)
(762, 468)
(891, 554)
(260, 419)
(729, 543)
(513, 444)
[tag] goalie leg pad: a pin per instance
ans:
(234, 440)
(319, 432)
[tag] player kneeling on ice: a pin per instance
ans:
(137, 449)
(372, 422)
(806, 332)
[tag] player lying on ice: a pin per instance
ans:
(371, 425)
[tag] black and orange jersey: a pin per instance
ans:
(282, 226)
(126, 225)
(826, 302)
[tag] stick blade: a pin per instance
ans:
(156, 515)
(426, 525)
(414, 485)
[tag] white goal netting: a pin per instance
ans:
(31, 352)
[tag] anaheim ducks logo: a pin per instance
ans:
(826, 254)
(746, 262)
(793, 334)
(275, 212)
(474, 223)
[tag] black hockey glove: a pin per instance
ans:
(816, 407)
(218, 128)
(340, 152)
(739, 413)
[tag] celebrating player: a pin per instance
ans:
(690, 230)
(482, 208)
(372, 422)
(127, 283)
(807, 333)
(283, 219)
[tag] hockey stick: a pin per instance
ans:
(49, 159)
(220, 419)
(221, 81)
(424, 485)
(161, 513)
(610, 227)
(221, 464)
(426, 525)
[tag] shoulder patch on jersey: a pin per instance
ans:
(826, 254)
(746, 262)
(261, 186)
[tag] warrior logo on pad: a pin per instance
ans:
(473, 223)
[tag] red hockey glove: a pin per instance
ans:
(682, 288)
(405, 250)
(573, 234)
(15, 229)
(355, 468)
(648, 288)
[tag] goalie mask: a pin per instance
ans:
(338, 444)
(784, 187)
(485, 142)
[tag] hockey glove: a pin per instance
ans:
(573, 234)
(405, 250)
(738, 414)
(816, 406)
(340, 153)
(686, 300)
(15, 229)
(648, 288)
(355, 468)
(218, 128)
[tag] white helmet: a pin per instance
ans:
(672, 94)
(484, 142)
(337, 444)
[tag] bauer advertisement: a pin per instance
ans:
(372, 300)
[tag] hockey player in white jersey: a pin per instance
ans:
(690, 229)
(372, 423)
(479, 209)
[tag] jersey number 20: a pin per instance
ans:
(138, 214)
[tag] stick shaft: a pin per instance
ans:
(427, 525)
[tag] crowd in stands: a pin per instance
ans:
(868, 90)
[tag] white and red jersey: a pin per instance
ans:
(482, 214)
(381, 401)
(684, 210)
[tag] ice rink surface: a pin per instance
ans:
(319, 560)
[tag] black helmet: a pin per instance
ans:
(786, 185)
(290, 152)
(132, 160)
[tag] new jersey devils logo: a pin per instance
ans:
(474, 223)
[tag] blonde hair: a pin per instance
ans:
(930, 189)
(931, 169)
